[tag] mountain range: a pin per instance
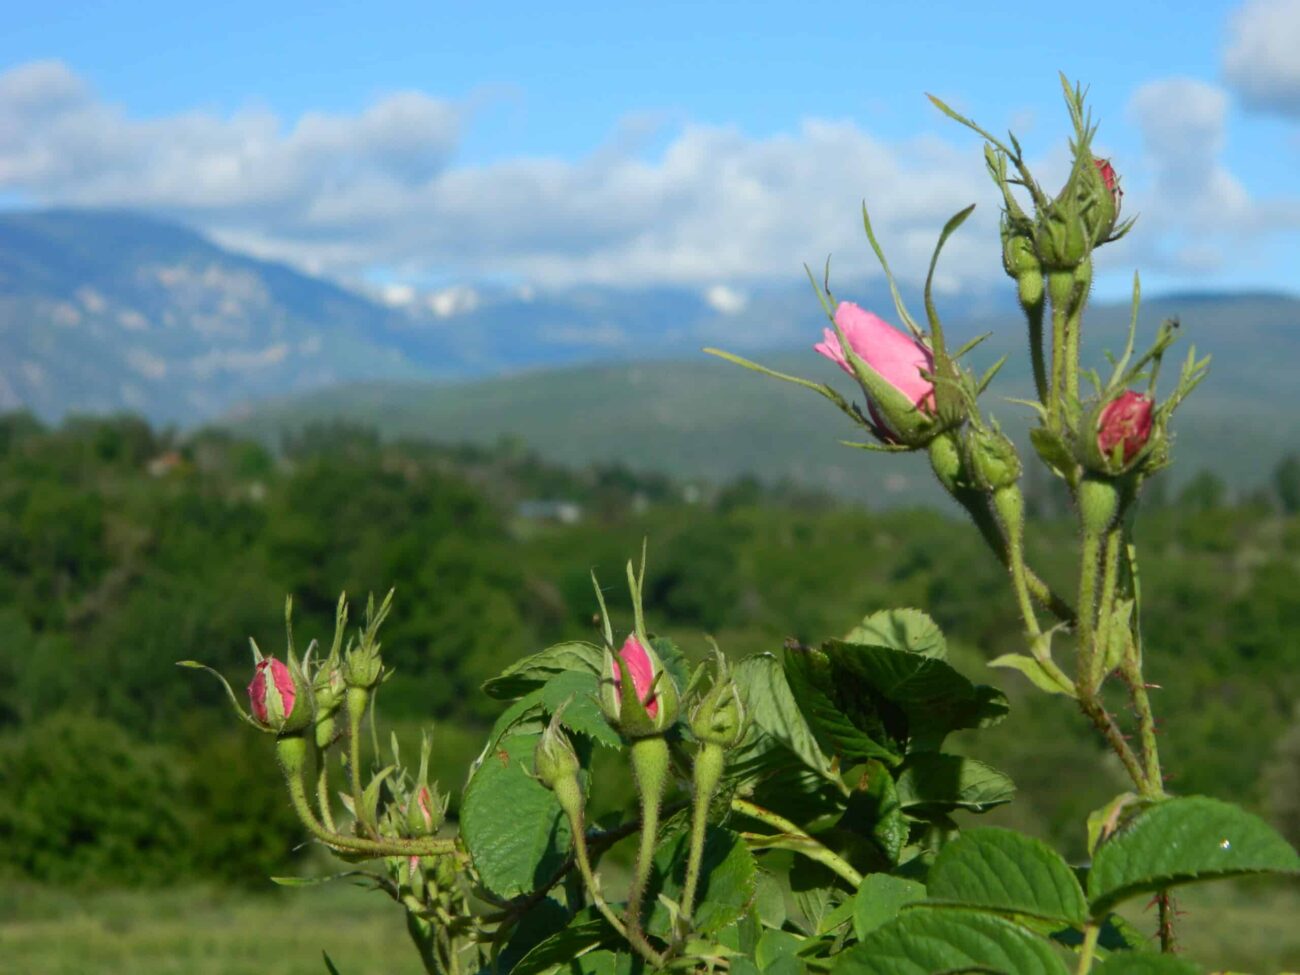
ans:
(105, 311)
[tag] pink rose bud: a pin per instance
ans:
(642, 672)
(896, 356)
(1125, 423)
(271, 701)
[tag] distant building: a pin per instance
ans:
(564, 512)
(164, 463)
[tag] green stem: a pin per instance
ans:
(1081, 284)
(1090, 935)
(1088, 569)
(1165, 909)
(1153, 785)
(423, 935)
(976, 505)
(357, 700)
(1034, 315)
(1060, 287)
(582, 857)
(806, 845)
(1010, 506)
(291, 752)
(1106, 602)
(323, 789)
(709, 761)
(650, 760)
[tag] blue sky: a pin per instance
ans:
(705, 145)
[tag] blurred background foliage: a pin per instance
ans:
(124, 549)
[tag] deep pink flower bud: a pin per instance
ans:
(1125, 420)
(273, 700)
(1109, 177)
(642, 672)
(896, 356)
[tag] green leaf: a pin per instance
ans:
(924, 941)
(901, 629)
(1184, 840)
(777, 953)
(513, 826)
(533, 671)
(674, 661)
(774, 711)
(932, 782)
(317, 881)
(1040, 676)
(1005, 871)
(835, 730)
(329, 964)
(1132, 963)
(586, 932)
(728, 881)
(874, 812)
(879, 900)
(583, 713)
(935, 697)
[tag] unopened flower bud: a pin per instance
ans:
(425, 811)
(1124, 426)
(363, 667)
(554, 760)
(1120, 432)
(278, 696)
(719, 718)
(639, 697)
(994, 462)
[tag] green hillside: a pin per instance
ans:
(704, 418)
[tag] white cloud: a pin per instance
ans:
(1262, 60)
(344, 194)
(1196, 216)
(726, 300)
(459, 299)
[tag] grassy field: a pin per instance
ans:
(1246, 928)
(201, 932)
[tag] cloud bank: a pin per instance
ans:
(382, 190)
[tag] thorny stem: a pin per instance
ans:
(1101, 719)
(1165, 911)
(806, 844)
(1131, 668)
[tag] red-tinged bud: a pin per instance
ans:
(278, 698)
(1124, 427)
(425, 811)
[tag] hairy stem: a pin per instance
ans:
(1034, 316)
(1106, 602)
(708, 771)
(1088, 569)
(803, 843)
(650, 762)
(1102, 720)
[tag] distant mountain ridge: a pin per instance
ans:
(108, 311)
